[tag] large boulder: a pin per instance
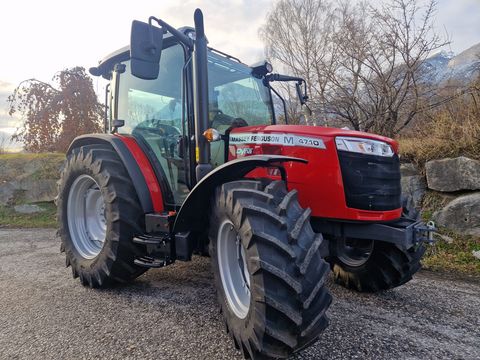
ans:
(461, 215)
(413, 184)
(37, 190)
(455, 174)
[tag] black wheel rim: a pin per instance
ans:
(354, 252)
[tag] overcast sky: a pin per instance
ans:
(42, 37)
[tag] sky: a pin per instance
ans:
(40, 38)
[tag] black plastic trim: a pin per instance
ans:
(195, 208)
(403, 232)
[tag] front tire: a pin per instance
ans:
(269, 275)
(371, 266)
(98, 216)
(387, 267)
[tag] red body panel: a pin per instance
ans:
(147, 171)
(319, 183)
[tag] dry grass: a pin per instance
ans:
(449, 130)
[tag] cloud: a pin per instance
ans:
(7, 122)
(232, 29)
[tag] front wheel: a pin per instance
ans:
(269, 275)
(370, 266)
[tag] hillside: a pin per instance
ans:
(445, 66)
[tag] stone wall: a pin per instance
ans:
(29, 178)
(457, 182)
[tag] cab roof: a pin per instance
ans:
(105, 66)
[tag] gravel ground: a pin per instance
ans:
(172, 313)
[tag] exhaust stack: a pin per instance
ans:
(200, 96)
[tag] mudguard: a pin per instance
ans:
(148, 189)
(192, 214)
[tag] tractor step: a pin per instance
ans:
(150, 262)
(158, 251)
(149, 240)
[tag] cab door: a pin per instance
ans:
(153, 111)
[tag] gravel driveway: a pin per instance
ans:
(171, 313)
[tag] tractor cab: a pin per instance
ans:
(159, 112)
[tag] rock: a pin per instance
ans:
(414, 188)
(455, 174)
(408, 169)
(39, 190)
(413, 184)
(476, 254)
(28, 209)
(461, 215)
(445, 238)
(7, 193)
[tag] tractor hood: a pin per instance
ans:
(300, 135)
(360, 178)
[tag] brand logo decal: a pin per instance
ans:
(244, 151)
(277, 139)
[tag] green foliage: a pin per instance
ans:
(455, 257)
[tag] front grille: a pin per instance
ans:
(371, 182)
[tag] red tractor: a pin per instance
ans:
(193, 162)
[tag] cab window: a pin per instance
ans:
(152, 110)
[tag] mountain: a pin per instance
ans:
(445, 66)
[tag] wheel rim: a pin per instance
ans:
(86, 217)
(354, 252)
(233, 269)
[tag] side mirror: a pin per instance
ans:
(146, 43)
(302, 95)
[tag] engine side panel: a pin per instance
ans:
(319, 184)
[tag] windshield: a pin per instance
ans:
(235, 95)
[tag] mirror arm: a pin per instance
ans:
(180, 36)
(283, 102)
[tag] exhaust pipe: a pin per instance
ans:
(200, 96)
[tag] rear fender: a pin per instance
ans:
(196, 207)
(145, 183)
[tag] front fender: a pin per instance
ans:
(195, 208)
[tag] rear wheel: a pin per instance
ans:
(269, 274)
(98, 215)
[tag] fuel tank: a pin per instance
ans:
(336, 183)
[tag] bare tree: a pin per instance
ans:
(363, 64)
(297, 36)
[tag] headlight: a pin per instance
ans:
(364, 146)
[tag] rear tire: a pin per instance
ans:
(99, 255)
(272, 290)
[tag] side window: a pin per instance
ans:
(152, 110)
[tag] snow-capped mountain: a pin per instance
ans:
(445, 66)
